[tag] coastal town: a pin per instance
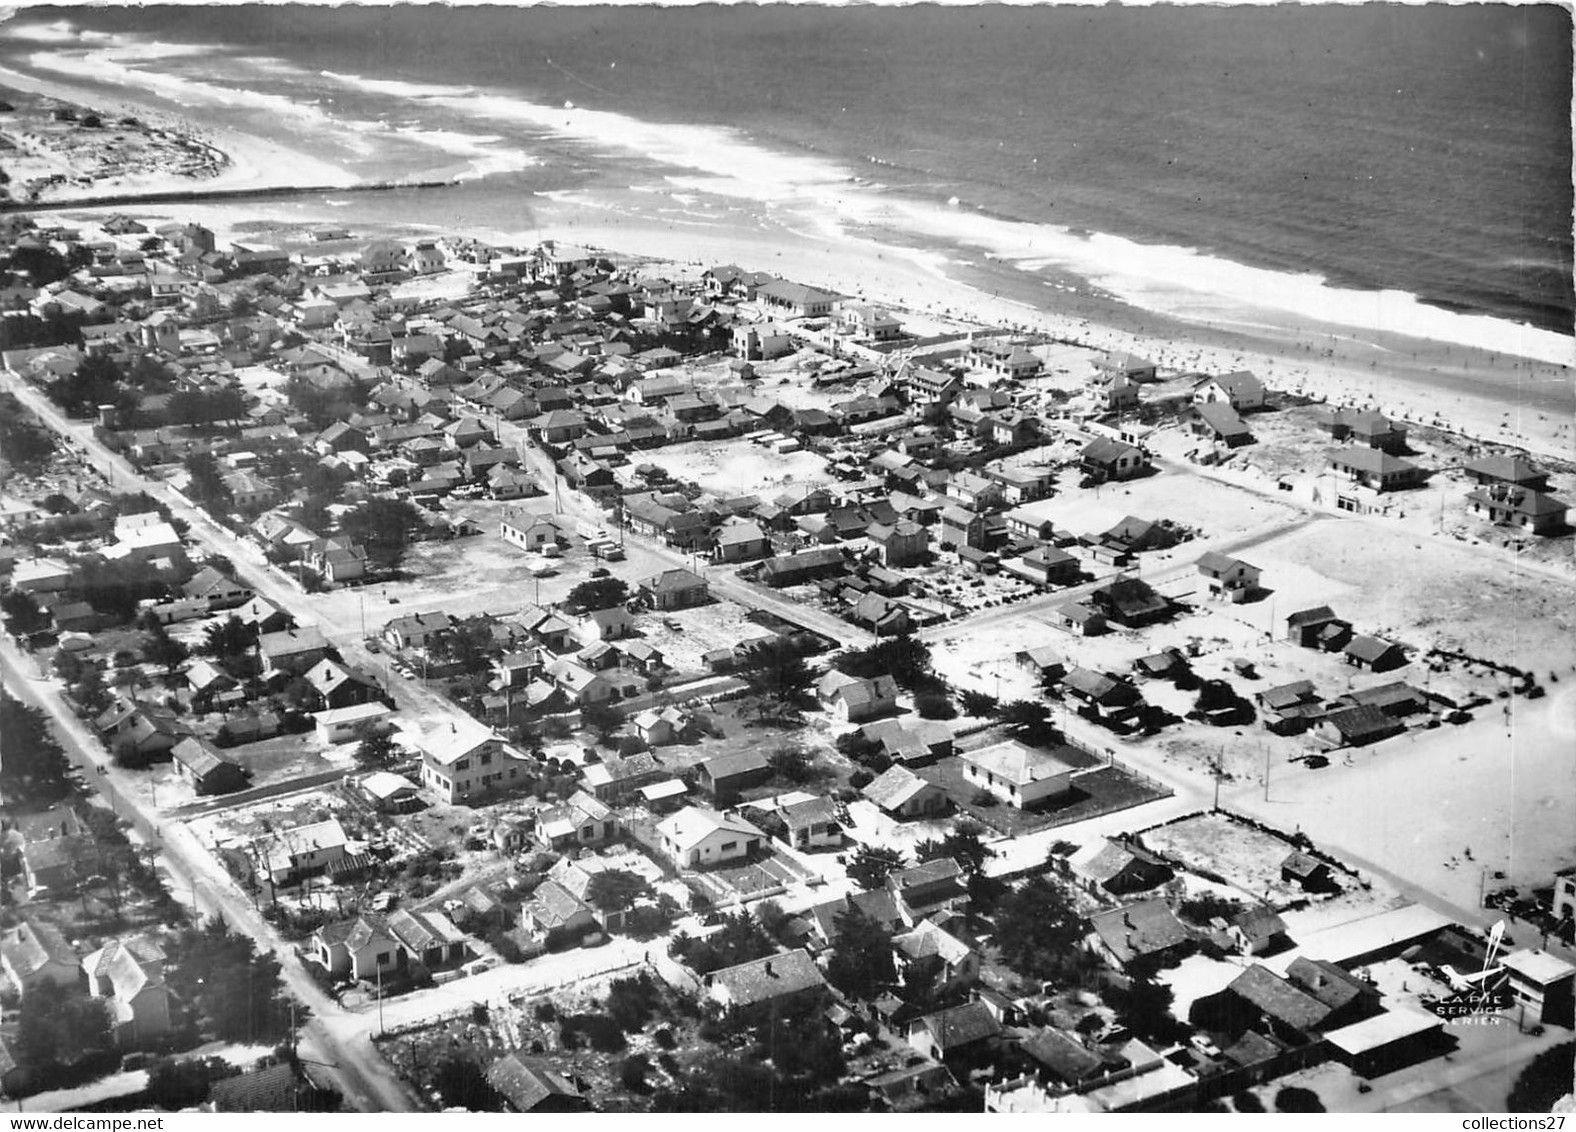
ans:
(541, 679)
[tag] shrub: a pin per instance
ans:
(860, 779)
(984, 798)
(1247, 1101)
(935, 705)
(545, 1012)
(1295, 1099)
(664, 1039)
(603, 1034)
(632, 1073)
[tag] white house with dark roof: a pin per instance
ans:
(765, 982)
(856, 698)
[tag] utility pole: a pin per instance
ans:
(1220, 756)
(1266, 771)
(380, 1000)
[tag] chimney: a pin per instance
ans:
(768, 969)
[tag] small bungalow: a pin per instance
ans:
(900, 793)
(696, 837)
(1019, 775)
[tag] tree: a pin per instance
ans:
(376, 751)
(1030, 721)
(23, 615)
(597, 593)
(739, 939)
(603, 719)
(872, 864)
(631, 1002)
(235, 990)
(34, 769)
(614, 890)
(164, 650)
(229, 640)
(791, 763)
(89, 689)
(1144, 1007)
(462, 1084)
(1294, 1098)
(177, 1083)
(934, 705)
(976, 703)
(1038, 928)
(965, 845)
(776, 670)
(59, 1025)
(861, 961)
(383, 527)
(905, 658)
(1544, 1081)
(208, 489)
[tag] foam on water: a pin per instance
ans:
(1177, 281)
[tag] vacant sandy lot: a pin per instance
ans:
(1212, 508)
(1505, 795)
(738, 467)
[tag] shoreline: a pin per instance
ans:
(251, 162)
(1420, 381)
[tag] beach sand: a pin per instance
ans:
(252, 162)
(1497, 398)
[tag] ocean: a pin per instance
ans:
(1208, 163)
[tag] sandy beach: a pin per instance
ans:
(1493, 397)
(248, 162)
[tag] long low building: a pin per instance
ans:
(1385, 1041)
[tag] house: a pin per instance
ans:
(739, 540)
(362, 949)
(528, 531)
(945, 962)
(902, 794)
(795, 299)
(1374, 654)
(1004, 357)
(1545, 984)
(1376, 469)
(200, 763)
(582, 820)
(1132, 602)
(1079, 618)
(138, 729)
(1221, 424)
(695, 837)
(339, 687)
(881, 615)
(130, 974)
(530, 1085)
(1317, 627)
(1287, 709)
(554, 915)
(57, 821)
(1109, 459)
(288, 856)
(213, 587)
(1287, 1011)
(959, 1032)
(1119, 867)
(774, 982)
(659, 728)
(854, 699)
(615, 776)
(603, 625)
(674, 589)
(1102, 696)
(1356, 726)
(32, 954)
(1510, 470)
(1235, 579)
(352, 723)
(460, 762)
(1509, 506)
(1365, 427)
(1309, 873)
(281, 1087)
(927, 889)
(811, 824)
(293, 651)
(725, 777)
(1019, 775)
(1045, 566)
(389, 792)
(1062, 1061)
(1240, 391)
(1145, 930)
(1256, 931)
(901, 544)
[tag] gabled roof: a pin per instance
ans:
(961, 1026)
(1278, 999)
(526, 1083)
(894, 787)
(768, 979)
(1134, 930)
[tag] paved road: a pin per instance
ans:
(199, 879)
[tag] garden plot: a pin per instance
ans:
(1246, 858)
